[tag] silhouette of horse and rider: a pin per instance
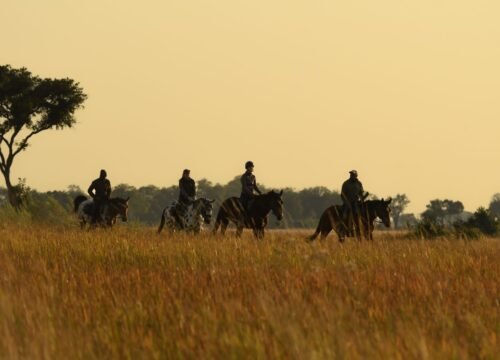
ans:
(101, 209)
(355, 217)
(187, 213)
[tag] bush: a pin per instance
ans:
(429, 229)
(484, 221)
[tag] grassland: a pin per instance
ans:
(129, 293)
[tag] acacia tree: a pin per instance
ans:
(438, 210)
(495, 205)
(398, 206)
(30, 105)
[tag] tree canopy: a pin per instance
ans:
(30, 105)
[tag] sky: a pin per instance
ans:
(405, 92)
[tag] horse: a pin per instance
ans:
(114, 208)
(254, 218)
(201, 211)
(331, 219)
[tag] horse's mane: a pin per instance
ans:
(118, 199)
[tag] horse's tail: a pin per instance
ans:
(77, 201)
(162, 221)
(325, 224)
(316, 233)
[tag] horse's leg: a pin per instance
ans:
(325, 232)
(341, 231)
(224, 226)
(239, 231)
(216, 227)
(357, 228)
(258, 232)
(221, 221)
(369, 232)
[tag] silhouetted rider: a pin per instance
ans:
(248, 186)
(100, 192)
(187, 194)
(352, 195)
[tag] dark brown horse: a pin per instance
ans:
(256, 216)
(331, 219)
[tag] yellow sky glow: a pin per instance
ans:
(406, 92)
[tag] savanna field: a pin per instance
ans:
(129, 293)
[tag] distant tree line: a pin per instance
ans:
(302, 207)
(302, 210)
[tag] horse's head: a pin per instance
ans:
(205, 208)
(119, 207)
(276, 203)
(383, 211)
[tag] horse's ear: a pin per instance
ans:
(382, 200)
(281, 192)
(127, 199)
(389, 200)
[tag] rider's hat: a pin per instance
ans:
(186, 171)
(248, 164)
(353, 172)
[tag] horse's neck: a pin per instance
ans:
(372, 212)
(260, 207)
(194, 215)
(110, 211)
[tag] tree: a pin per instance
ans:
(30, 105)
(438, 210)
(494, 207)
(484, 221)
(398, 206)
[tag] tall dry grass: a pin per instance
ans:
(129, 293)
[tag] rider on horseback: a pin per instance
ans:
(99, 191)
(248, 186)
(352, 195)
(187, 194)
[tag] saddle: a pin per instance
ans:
(88, 209)
(179, 212)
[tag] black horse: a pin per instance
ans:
(331, 219)
(114, 208)
(256, 216)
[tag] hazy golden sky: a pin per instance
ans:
(406, 92)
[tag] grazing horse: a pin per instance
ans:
(201, 211)
(256, 216)
(331, 219)
(114, 208)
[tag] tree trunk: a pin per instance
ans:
(13, 194)
(396, 221)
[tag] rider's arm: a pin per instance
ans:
(343, 193)
(108, 190)
(182, 190)
(194, 190)
(91, 190)
(256, 188)
(244, 186)
(361, 190)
